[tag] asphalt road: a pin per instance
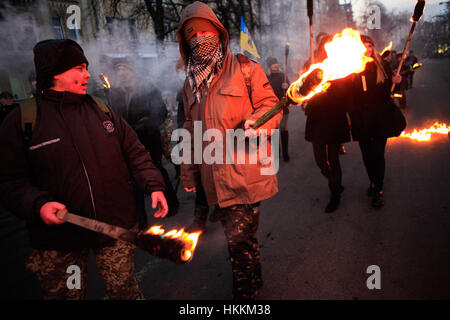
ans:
(306, 253)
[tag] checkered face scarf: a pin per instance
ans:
(205, 62)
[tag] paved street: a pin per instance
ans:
(306, 253)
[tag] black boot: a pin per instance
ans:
(284, 144)
(334, 203)
(200, 217)
(377, 200)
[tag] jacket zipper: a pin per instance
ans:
(82, 163)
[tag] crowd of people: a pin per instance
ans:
(99, 158)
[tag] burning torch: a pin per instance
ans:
(309, 83)
(345, 56)
(175, 245)
(106, 87)
(418, 12)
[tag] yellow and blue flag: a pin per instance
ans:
(247, 43)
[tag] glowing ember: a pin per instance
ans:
(345, 56)
(105, 81)
(189, 239)
(416, 65)
(425, 134)
(396, 95)
(388, 48)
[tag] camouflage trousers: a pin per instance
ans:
(240, 223)
(115, 264)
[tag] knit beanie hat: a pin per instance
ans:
(53, 57)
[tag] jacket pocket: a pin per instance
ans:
(233, 91)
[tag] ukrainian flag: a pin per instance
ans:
(247, 43)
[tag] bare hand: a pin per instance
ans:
(193, 189)
(397, 79)
(249, 131)
(159, 200)
(48, 213)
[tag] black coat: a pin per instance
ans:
(77, 156)
(326, 120)
(276, 80)
(145, 113)
(369, 109)
(4, 110)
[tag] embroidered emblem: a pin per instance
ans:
(109, 126)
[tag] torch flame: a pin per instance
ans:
(345, 56)
(425, 134)
(105, 81)
(388, 48)
(190, 239)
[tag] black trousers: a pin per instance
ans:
(373, 156)
(327, 159)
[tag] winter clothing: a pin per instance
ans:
(195, 25)
(326, 120)
(4, 110)
(235, 188)
(368, 108)
(53, 57)
(227, 106)
(371, 113)
(145, 112)
(77, 156)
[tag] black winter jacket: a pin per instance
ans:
(368, 108)
(326, 120)
(77, 156)
(145, 113)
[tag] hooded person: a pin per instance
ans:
(216, 97)
(79, 158)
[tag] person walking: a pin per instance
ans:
(215, 94)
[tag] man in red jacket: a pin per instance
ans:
(79, 159)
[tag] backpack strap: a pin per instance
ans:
(28, 111)
(244, 61)
(102, 106)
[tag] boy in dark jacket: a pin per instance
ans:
(79, 159)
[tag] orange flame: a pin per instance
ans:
(388, 48)
(105, 81)
(345, 56)
(190, 239)
(425, 134)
